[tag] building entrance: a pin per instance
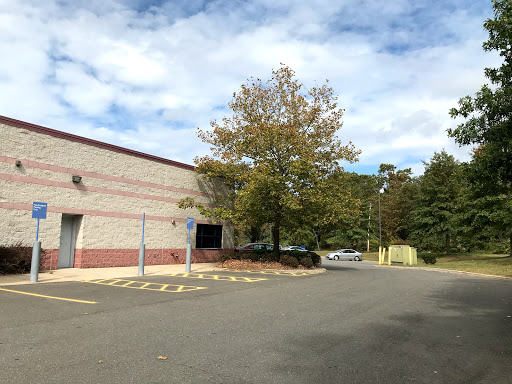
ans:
(70, 226)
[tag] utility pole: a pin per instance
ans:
(381, 190)
(369, 218)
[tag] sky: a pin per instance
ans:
(146, 74)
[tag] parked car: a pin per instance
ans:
(344, 254)
(255, 247)
(294, 248)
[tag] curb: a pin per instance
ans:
(281, 271)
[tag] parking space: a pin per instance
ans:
(47, 296)
(89, 291)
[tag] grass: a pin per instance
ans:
(487, 264)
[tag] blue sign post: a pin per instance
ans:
(38, 212)
(190, 226)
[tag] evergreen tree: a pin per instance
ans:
(435, 215)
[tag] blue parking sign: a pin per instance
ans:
(39, 210)
(190, 223)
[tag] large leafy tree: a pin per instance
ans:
(437, 209)
(489, 113)
(279, 154)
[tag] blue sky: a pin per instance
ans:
(145, 74)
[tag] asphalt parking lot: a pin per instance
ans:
(356, 323)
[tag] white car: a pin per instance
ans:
(294, 248)
(345, 254)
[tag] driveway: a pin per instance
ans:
(357, 323)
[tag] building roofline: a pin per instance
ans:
(94, 143)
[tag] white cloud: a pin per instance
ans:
(146, 76)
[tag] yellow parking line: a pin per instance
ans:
(49, 297)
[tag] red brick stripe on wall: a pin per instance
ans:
(102, 258)
(76, 211)
(81, 187)
(73, 171)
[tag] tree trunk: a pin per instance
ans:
(316, 238)
(255, 234)
(275, 234)
(447, 244)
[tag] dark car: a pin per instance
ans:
(255, 247)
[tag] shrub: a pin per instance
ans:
(429, 259)
(245, 256)
(15, 258)
(315, 258)
(230, 256)
(299, 255)
(289, 261)
(270, 257)
(306, 262)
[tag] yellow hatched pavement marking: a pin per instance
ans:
(48, 297)
(275, 273)
(144, 286)
(218, 277)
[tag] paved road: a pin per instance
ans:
(357, 323)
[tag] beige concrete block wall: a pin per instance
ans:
(41, 147)
(116, 189)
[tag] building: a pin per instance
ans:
(97, 194)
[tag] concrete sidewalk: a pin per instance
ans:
(80, 274)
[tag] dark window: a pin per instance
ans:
(209, 236)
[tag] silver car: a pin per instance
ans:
(344, 254)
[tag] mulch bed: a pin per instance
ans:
(254, 265)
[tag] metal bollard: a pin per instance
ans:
(189, 257)
(142, 251)
(34, 267)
